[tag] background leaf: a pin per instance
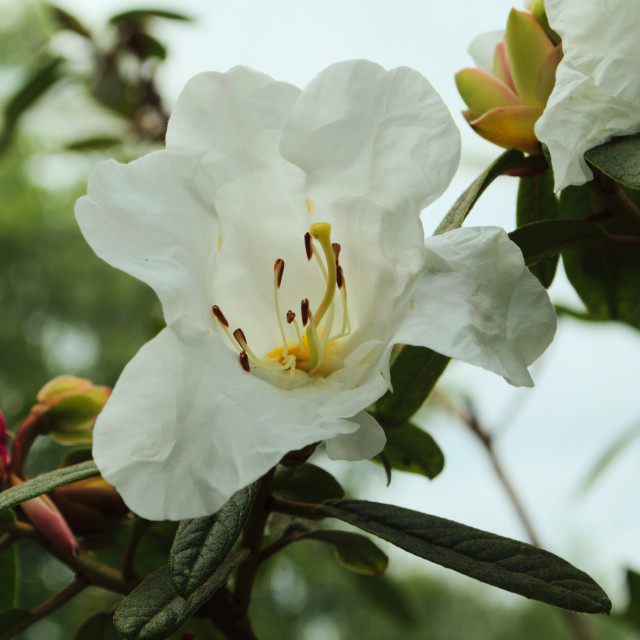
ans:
(47, 482)
(153, 610)
(619, 159)
(138, 15)
(501, 562)
(305, 483)
(9, 570)
(202, 544)
(536, 201)
(414, 374)
(98, 627)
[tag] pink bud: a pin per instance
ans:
(46, 517)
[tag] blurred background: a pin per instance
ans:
(97, 80)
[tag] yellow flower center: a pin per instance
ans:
(307, 352)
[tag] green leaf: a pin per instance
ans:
(97, 143)
(540, 240)
(97, 627)
(46, 482)
(138, 15)
(147, 46)
(13, 617)
(35, 86)
(632, 614)
(76, 455)
(9, 569)
(411, 449)
(619, 159)
(153, 610)
(537, 201)
(498, 561)
(202, 544)
(511, 160)
(413, 375)
(306, 483)
(67, 21)
(607, 278)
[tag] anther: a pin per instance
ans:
(241, 339)
(307, 245)
(304, 311)
(219, 315)
(278, 269)
(244, 360)
(336, 251)
(339, 277)
(290, 316)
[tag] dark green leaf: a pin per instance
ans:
(153, 610)
(501, 562)
(138, 15)
(31, 90)
(202, 544)
(409, 448)
(619, 159)
(147, 46)
(67, 21)
(537, 201)
(13, 617)
(94, 144)
(607, 278)
(632, 614)
(97, 627)
(9, 572)
(306, 483)
(46, 482)
(540, 240)
(511, 160)
(413, 375)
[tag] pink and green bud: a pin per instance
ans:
(505, 104)
(540, 14)
(46, 517)
(70, 406)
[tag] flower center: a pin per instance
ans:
(309, 348)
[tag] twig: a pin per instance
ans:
(48, 606)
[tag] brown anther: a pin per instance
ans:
(278, 269)
(219, 315)
(244, 360)
(307, 245)
(290, 316)
(336, 251)
(339, 277)
(304, 311)
(238, 334)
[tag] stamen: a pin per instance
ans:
(290, 316)
(278, 271)
(313, 343)
(219, 315)
(336, 251)
(339, 277)
(238, 334)
(244, 361)
(304, 311)
(307, 245)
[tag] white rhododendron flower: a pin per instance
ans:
(280, 229)
(597, 89)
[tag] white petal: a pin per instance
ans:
(483, 48)
(596, 93)
(186, 426)
(479, 303)
(154, 219)
(368, 441)
(232, 121)
(360, 130)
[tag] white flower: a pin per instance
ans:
(597, 90)
(256, 176)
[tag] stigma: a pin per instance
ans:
(308, 336)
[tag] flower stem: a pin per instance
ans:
(32, 427)
(48, 606)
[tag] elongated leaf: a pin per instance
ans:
(619, 159)
(306, 483)
(9, 573)
(67, 21)
(501, 562)
(202, 544)
(12, 618)
(607, 278)
(153, 610)
(97, 143)
(412, 449)
(97, 627)
(137, 15)
(413, 376)
(537, 201)
(632, 614)
(47, 482)
(509, 161)
(539, 240)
